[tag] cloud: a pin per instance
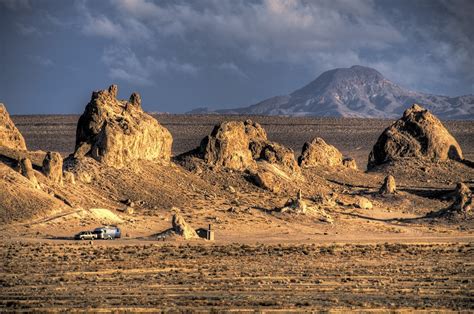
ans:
(272, 29)
(125, 65)
(139, 8)
(28, 29)
(16, 5)
(56, 21)
(427, 45)
(124, 29)
(103, 27)
(232, 68)
(42, 61)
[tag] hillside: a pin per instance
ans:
(355, 92)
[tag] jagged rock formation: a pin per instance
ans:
(318, 152)
(53, 167)
(277, 154)
(69, 177)
(266, 180)
(349, 163)
(117, 132)
(389, 186)
(324, 199)
(10, 137)
(240, 145)
(298, 206)
(15, 155)
(20, 198)
(463, 200)
(461, 207)
(243, 146)
(417, 134)
(182, 228)
(26, 169)
(229, 145)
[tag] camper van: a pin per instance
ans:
(107, 233)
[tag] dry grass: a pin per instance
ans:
(236, 277)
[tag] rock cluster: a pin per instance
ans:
(389, 186)
(319, 153)
(228, 145)
(298, 206)
(117, 132)
(279, 155)
(417, 134)
(10, 137)
(240, 145)
(350, 163)
(266, 180)
(53, 167)
(26, 169)
(13, 150)
(460, 208)
(182, 228)
(295, 205)
(462, 199)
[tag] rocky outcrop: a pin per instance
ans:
(182, 228)
(240, 145)
(389, 186)
(15, 155)
(266, 180)
(53, 167)
(228, 145)
(417, 134)
(298, 206)
(363, 203)
(117, 132)
(26, 169)
(69, 177)
(349, 163)
(462, 205)
(10, 137)
(462, 200)
(277, 154)
(319, 153)
(295, 205)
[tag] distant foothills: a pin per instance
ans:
(357, 91)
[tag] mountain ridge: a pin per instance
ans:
(357, 91)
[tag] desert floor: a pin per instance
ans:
(381, 259)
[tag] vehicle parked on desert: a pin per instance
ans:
(108, 232)
(85, 235)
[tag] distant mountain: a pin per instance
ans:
(355, 92)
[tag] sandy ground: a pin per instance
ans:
(385, 258)
(151, 277)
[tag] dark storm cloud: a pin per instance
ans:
(184, 54)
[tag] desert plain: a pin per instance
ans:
(405, 251)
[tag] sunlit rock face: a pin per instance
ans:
(117, 132)
(419, 134)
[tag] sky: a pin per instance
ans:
(181, 55)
